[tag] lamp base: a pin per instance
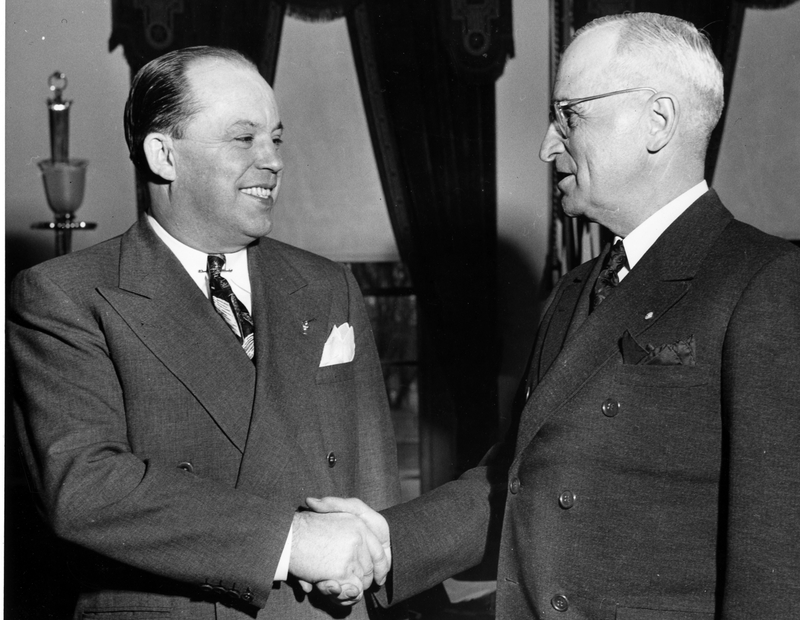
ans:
(63, 227)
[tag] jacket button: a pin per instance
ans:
(331, 459)
(514, 485)
(610, 407)
(566, 499)
(559, 602)
(186, 466)
(247, 596)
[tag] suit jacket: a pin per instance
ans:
(171, 462)
(641, 490)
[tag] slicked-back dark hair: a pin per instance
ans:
(160, 98)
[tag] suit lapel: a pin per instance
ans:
(171, 316)
(662, 277)
(569, 312)
(291, 318)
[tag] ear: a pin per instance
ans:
(663, 121)
(158, 148)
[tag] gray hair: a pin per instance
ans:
(663, 44)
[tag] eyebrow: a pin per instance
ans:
(246, 124)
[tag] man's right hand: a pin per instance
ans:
(337, 548)
(338, 591)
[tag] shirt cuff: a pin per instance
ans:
(282, 572)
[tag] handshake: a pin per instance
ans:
(340, 548)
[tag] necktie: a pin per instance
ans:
(228, 306)
(609, 276)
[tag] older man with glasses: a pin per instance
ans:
(654, 470)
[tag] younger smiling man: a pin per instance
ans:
(172, 439)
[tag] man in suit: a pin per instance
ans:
(653, 472)
(183, 387)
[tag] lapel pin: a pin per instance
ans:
(648, 316)
(306, 325)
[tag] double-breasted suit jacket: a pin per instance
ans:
(654, 472)
(169, 460)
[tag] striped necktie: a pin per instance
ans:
(228, 306)
(609, 276)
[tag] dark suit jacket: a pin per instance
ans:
(645, 491)
(169, 460)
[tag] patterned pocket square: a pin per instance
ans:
(680, 353)
(340, 347)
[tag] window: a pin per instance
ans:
(392, 308)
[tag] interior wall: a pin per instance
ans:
(523, 192)
(331, 200)
(71, 37)
(758, 170)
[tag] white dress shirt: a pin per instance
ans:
(237, 274)
(645, 234)
(195, 263)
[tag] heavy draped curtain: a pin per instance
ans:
(427, 71)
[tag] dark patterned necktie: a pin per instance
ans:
(228, 306)
(609, 276)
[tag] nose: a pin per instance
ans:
(552, 144)
(269, 158)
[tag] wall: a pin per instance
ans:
(69, 36)
(523, 191)
(758, 170)
(331, 199)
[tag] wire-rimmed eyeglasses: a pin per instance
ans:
(558, 117)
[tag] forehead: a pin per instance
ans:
(585, 65)
(227, 92)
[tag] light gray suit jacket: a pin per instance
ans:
(171, 463)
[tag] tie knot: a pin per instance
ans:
(215, 264)
(617, 257)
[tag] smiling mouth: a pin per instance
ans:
(258, 192)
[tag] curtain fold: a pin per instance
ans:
(432, 124)
(149, 28)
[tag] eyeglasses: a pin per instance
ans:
(558, 117)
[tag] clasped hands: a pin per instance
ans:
(340, 548)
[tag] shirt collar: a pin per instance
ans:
(195, 262)
(645, 235)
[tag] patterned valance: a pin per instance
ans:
(320, 10)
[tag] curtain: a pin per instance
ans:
(427, 72)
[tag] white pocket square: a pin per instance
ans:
(341, 346)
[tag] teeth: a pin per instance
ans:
(258, 192)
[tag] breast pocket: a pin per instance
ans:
(633, 376)
(126, 614)
(337, 373)
(662, 396)
(668, 416)
(635, 613)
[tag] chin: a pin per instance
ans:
(571, 209)
(256, 232)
